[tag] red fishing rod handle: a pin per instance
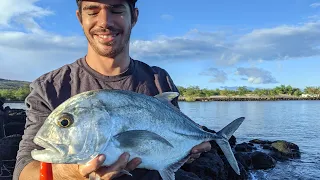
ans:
(46, 171)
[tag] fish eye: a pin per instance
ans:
(65, 121)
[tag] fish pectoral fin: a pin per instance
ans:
(137, 138)
(123, 171)
(169, 172)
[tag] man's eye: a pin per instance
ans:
(92, 14)
(117, 12)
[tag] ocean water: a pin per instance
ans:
(293, 121)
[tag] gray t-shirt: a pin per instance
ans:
(53, 88)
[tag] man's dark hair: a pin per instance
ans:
(132, 6)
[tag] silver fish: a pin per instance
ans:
(115, 121)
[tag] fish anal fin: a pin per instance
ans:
(169, 172)
(167, 175)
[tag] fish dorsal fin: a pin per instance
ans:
(169, 172)
(138, 138)
(167, 96)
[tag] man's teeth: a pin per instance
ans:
(107, 36)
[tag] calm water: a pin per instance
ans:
(294, 121)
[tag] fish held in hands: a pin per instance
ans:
(115, 121)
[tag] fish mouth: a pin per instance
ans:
(50, 151)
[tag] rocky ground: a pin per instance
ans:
(253, 155)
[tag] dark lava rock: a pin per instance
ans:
(286, 149)
(208, 130)
(9, 146)
(245, 159)
(262, 160)
(16, 115)
(232, 141)
(184, 175)
(11, 140)
(258, 141)
(5, 172)
(1, 103)
(208, 166)
(6, 169)
(2, 119)
(244, 147)
(278, 157)
(267, 146)
(231, 174)
(14, 128)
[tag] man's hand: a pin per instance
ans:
(198, 149)
(110, 172)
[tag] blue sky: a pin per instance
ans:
(206, 43)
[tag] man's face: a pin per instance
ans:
(107, 25)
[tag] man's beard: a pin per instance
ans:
(114, 52)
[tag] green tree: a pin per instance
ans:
(7, 94)
(289, 90)
(297, 92)
(242, 90)
(21, 93)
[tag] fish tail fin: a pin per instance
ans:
(223, 142)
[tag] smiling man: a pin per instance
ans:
(107, 25)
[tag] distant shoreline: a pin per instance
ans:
(233, 98)
(246, 98)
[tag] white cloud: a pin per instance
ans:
(173, 48)
(217, 76)
(194, 45)
(278, 43)
(21, 12)
(30, 51)
(314, 5)
(20, 41)
(256, 76)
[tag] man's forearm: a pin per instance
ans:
(32, 171)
